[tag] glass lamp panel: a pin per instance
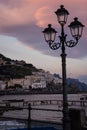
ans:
(53, 36)
(80, 30)
(50, 36)
(76, 28)
(62, 18)
(62, 15)
(47, 37)
(74, 32)
(66, 16)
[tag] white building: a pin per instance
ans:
(37, 80)
(2, 85)
(41, 84)
(57, 80)
(47, 76)
(26, 83)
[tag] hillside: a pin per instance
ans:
(4, 58)
(19, 69)
(14, 69)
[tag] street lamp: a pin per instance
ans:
(76, 29)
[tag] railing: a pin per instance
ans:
(30, 107)
(40, 109)
(43, 102)
(81, 103)
(43, 118)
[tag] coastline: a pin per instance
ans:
(34, 92)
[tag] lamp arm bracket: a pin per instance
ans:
(71, 43)
(54, 46)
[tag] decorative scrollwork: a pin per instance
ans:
(71, 43)
(54, 46)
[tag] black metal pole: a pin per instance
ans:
(66, 120)
(29, 116)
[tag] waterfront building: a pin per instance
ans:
(39, 84)
(36, 80)
(2, 85)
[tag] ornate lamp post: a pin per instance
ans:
(76, 29)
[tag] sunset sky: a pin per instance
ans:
(21, 37)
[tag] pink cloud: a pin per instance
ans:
(24, 20)
(16, 15)
(44, 15)
(27, 11)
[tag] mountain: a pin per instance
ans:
(14, 68)
(79, 85)
(57, 76)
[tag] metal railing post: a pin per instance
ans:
(29, 116)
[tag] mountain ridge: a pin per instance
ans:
(80, 85)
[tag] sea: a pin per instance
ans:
(41, 115)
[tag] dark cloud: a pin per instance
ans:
(32, 36)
